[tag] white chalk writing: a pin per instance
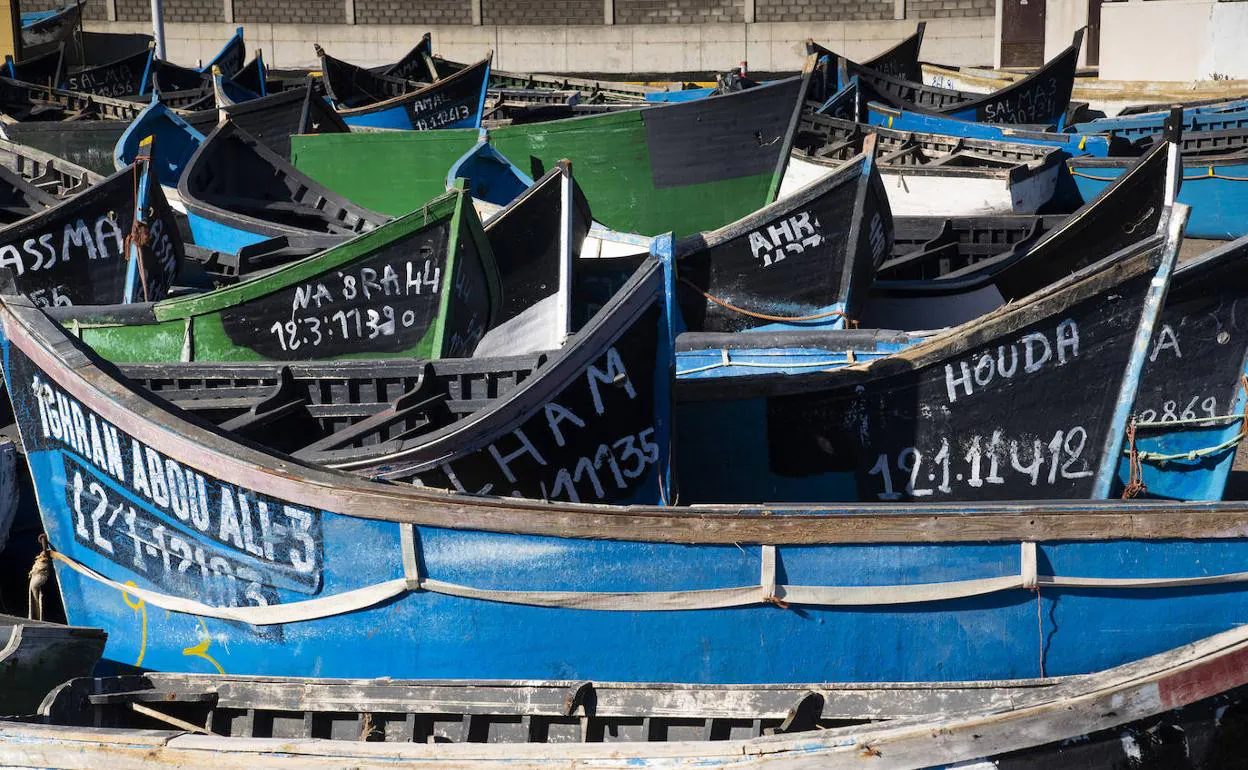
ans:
(101, 239)
(1005, 362)
(987, 461)
(793, 235)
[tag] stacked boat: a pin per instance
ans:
(832, 420)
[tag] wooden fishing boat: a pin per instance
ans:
(30, 102)
(387, 437)
(1137, 127)
(227, 93)
(271, 120)
(431, 423)
(79, 251)
(20, 199)
(1041, 98)
(536, 254)
(508, 111)
(1111, 222)
(1189, 412)
(608, 90)
(900, 61)
(930, 174)
(78, 127)
(44, 31)
(238, 192)
(1072, 143)
(1215, 166)
(455, 101)
(492, 179)
(254, 76)
(49, 173)
(484, 579)
(646, 171)
(423, 285)
(86, 143)
(47, 69)
(416, 65)
(174, 139)
(1178, 708)
(804, 261)
(1111, 97)
(36, 657)
(123, 77)
(932, 247)
(516, 276)
(350, 86)
(167, 76)
(981, 394)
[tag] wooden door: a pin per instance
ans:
(1022, 33)
(1094, 33)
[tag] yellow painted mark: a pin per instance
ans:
(201, 650)
(139, 607)
(1083, 142)
(890, 121)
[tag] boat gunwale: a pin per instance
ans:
(1067, 708)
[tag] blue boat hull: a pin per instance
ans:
(429, 635)
(173, 142)
(992, 630)
(457, 101)
(1232, 116)
(686, 95)
(903, 120)
(218, 236)
(1218, 202)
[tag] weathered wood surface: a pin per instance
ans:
(1033, 722)
(36, 656)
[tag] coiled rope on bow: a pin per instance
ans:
(765, 316)
(1137, 457)
(140, 234)
(39, 575)
(1135, 481)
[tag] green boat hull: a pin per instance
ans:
(684, 167)
(423, 286)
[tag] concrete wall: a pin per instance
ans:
(618, 48)
(1174, 40)
(1061, 19)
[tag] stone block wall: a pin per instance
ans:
(531, 12)
(945, 9)
(412, 11)
(91, 9)
(831, 10)
(193, 10)
(201, 11)
(134, 10)
(679, 11)
(523, 12)
(289, 11)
